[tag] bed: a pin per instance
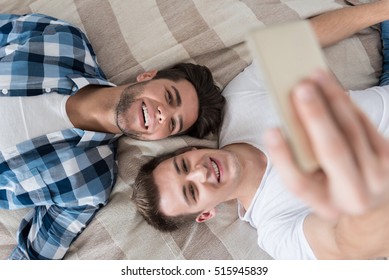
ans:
(132, 36)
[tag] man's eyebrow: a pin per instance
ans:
(183, 187)
(178, 96)
(176, 165)
(178, 104)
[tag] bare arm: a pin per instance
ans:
(334, 26)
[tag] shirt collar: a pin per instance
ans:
(81, 82)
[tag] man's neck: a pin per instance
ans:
(253, 164)
(93, 108)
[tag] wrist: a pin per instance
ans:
(381, 10)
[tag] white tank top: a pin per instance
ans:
(24, 118)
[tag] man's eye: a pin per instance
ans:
(192, 192)
(185, 167)
(169, 97)
(172, 125)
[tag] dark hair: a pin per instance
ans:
(146, 196)
(211, 102)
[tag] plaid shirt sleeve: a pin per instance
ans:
(66, 177)
(47, 231)
(41, 54)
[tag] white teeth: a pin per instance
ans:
(145, 115)
(216, 168)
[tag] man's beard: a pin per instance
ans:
(127, 98)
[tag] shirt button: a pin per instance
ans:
(74, 88)
(4, 91)
(47, 90)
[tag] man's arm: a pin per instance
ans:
(47, 232)
(334, 26)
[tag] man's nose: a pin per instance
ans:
(162, 114)
(198, 174)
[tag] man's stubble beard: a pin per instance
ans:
(127, 98)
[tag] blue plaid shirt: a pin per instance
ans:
(64, 176)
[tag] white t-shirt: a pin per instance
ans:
(24, 118)
(278, 215)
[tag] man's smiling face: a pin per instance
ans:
(197, 181)
(157, 109)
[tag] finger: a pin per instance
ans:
(376, 167)
(368, 147)
(308, 187)
(331, 148)
(377, 141)
(371, 150)
(346, 116)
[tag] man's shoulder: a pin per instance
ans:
(250, 79)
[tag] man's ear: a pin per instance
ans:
(205, 216)
(146, 75)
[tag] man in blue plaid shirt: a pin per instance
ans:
(61, 119)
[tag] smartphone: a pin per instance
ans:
(286, 54)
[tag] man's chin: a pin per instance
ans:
(143, 137)
(131, 133)
(134, 136)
